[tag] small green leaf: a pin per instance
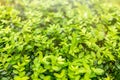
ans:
(98, 71)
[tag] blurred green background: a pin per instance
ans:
(13, 2)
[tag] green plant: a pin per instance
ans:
(62, 40)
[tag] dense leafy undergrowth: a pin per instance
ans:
(59, 40)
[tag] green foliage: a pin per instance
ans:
(59, 40)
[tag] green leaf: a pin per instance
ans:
(98, 71)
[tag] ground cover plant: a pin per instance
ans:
(59, 40)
